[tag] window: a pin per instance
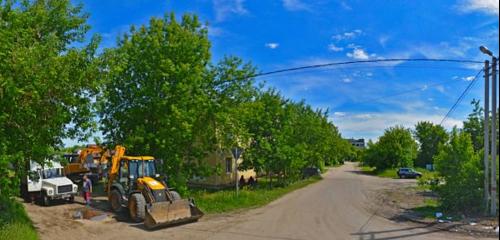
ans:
(229, 165)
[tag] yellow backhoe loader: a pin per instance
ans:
(134, 183)
(90, 160)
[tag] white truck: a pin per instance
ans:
(47, 183)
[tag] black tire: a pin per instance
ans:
(116, 201)
(71, 199)
(45, 199)
(175, 195)
(137, 207)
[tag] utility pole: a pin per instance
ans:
(486, 134)
(493, 211)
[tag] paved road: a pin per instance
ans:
(334, 208)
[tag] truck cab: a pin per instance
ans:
(47, 183)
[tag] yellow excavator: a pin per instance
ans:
(90, 160)
(134, 183)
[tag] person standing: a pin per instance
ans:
(87, 189)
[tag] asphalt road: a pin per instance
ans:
(335, 208)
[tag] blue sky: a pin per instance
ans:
(275, 34)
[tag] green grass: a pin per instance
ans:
(18, 231)
(226, 200)
(14, 222)
(428, 209)
(390, 172)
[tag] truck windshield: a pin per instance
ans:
(52, 173)
(142, 168)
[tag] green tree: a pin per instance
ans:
(396, 148)
(163, 97)
(474, 125)
(460, 168)
(429, 137)
(46, 83)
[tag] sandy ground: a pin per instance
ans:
(337, 207)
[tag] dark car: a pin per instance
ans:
(310, 172)
(408, 173)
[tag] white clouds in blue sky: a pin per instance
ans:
(276, 34)
(224, 8)
(487, 6)
(295, 5)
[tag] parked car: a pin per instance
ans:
(408, 173)
(310, 172)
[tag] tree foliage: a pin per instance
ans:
(46, 83)
(461, 170)
(429, 137)
(396, 148)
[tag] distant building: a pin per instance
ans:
(359, 143)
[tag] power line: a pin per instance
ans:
(461, 97)
(363, 61)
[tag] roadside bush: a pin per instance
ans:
(459, 166)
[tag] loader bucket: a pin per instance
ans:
(162, 214)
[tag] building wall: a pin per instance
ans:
(227, 177)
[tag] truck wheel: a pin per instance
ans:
(116, 201)
(71, 199)
(175, 195)
(45, 199)
(137, 207)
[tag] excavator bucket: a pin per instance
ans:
(162, 214)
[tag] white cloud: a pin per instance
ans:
(486, 6)
(359, 54)
(347, 35)
(440, 89)
(345, 5)
(347, 80)
(373, 124)
(339, 114)
(425, 87)
(272, 45)
(295, 5)
(468, 79)
(334, 48)
(382, 40)
(224, 8)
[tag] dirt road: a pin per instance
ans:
(334, 208)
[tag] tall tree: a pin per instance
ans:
(163, 97)
(429, 137)
(474, 125)
(46, 82)
(396, 148)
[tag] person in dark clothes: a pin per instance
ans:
(87, 189)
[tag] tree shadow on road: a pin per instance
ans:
(400, 233)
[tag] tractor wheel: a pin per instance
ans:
(175, 195)
(137, 207)
(116, 201)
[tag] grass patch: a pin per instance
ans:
(226, 200)
(18, 231)
(428, 209)
(390, 172)
(14, 222)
